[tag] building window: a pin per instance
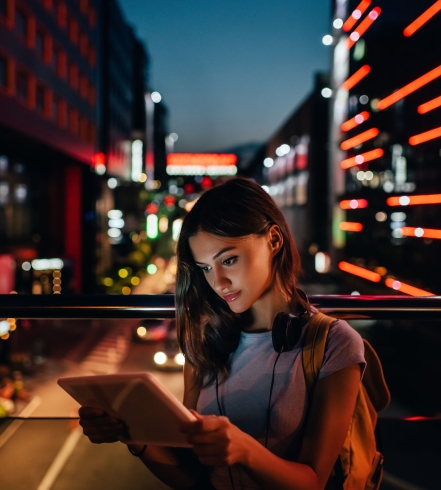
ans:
(84, 86)
(22, 86)
(62, 113)
(73, 31)
(92, 17)
(84, 44)
(55, 108)
(73, 121)
(73, 76)
(40, 94)
(3, 72)
(39, 43)
(84, 6)
(21, 23)
(61, 12)
(92, 57)
(84, 128)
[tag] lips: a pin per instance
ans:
(231, 297)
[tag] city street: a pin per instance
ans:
(45, 455)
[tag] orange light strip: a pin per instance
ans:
(422, 19)
(414, 200)
(363, 157)
(356, 77)
(423, 137)
(406, 288)
(350, 226)
(409, 88)
(363, 27)
(421, 232)
(360, 138)
(355, 121)
(429, 106)
(353, 204)
(359, 271)
(356, 14)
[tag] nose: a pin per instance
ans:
(220, 281)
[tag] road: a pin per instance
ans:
(54, 455)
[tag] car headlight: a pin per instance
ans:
(160, 358)
(179, 359)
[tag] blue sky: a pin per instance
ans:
(230, 71)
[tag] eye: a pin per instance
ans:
(205, 269)
(230, 261)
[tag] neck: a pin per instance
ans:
(266, 308)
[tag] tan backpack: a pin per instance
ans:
(360, 465)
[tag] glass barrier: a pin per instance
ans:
(41, 444)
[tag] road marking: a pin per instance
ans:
(60, 460)
(9, 431)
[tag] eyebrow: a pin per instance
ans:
(226, 249)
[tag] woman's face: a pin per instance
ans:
(238, 269)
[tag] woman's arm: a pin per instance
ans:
(176, 467)
(217, 442)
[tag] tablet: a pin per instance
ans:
(151, 413)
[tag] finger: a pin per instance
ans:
(90, 412)
(206, 423)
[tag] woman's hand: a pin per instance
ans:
(216, 441)
(99, 427)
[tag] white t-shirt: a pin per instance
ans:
(244, 396)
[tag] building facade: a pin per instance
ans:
(48, 132)
(385, 144)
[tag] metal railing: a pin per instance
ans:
(162, 306)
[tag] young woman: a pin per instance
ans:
(237, 269)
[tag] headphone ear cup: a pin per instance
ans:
(286, 332)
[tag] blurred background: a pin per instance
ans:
(115, 116)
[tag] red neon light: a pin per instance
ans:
(363, 157)
(422, 19)
(98, 159)
(421, 232)
(430, 105)
(353, 204)
(356, 77)
(423, 137)
(409, 88)
(360, 138)
(414, 200)
(363, 27)
(355, 121)
(406, 288)
(350, 226)
(359, 271)
(201, 159)
(356, 14)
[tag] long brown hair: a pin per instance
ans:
(208, 331)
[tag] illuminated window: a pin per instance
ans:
(22, 86)
(84, 128)
(84, 86)
(55, 108)
(62, 113)
(39, 43)
(73, 76)
(92, 57)
(92, 17)
(84, 44)
(84, 6)
(73, 121)
(3, 72)
(21, 23)
(61, 13)
(40, 94)
(92, 95)
(73, 30)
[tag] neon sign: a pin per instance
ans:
(201, 164)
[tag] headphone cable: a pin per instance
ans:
(268, 412)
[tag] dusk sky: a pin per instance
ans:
(231, 71)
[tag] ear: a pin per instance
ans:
(275, 239)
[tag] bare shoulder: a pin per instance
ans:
(191, 391)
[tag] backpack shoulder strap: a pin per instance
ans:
(313, 352)
(373, 379)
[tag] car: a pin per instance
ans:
(168, 356)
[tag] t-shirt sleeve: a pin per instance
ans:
(344, 347)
